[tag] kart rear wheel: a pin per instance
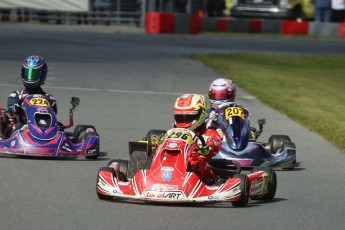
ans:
(2, 130)
(272, 183)
(100, 195)
(275, 142)
(152, 137)
(80, 132)
(244, 187)
(123, 169)
(137, 161)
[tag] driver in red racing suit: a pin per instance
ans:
(33, 74)
(190, 113)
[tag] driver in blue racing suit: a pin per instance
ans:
(33, 74)
(223, 92)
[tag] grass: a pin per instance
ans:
(307, 88)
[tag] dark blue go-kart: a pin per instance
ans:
(238, 144)
(43, 135)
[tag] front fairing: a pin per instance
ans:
(235, 128)
(41, 119)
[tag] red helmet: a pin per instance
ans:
(190, 111)
(220, 91)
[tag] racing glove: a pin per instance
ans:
(213, 116)
(203, 150)
(16, 109)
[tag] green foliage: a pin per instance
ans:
(307, 88)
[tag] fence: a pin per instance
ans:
(117, 12)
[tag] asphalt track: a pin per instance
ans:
(127, 82)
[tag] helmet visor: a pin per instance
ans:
(218, 95)
(185, 118)
(30, 74)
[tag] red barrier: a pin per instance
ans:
(255, 26)
(294, 27)
(156, 22)
(195, 24)
(222, 25)
(342, 29)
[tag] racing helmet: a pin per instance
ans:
(34, 72)
(220, 91)
(190, 111)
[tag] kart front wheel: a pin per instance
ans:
(138, 161)
(101, 195)
(80, 132)
(244, 187)
(275, 142)
(271, 184)
(122, 173)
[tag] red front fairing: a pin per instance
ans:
(168, 179)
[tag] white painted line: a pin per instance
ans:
(47, 86)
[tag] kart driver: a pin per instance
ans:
(220, 93)
(33, 74)
(190, 113)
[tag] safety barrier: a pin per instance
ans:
(157, 22)
(60, 17)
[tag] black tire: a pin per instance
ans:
(136, 162)
(80, 132)
(103, 196)
(244, 187)
(275, 142)
(272, 183)
(2, 130)
(92, 157)
(152, 137)
(123, 169)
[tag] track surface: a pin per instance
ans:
(127, 82)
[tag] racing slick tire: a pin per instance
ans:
(272, 183)
(123, 169)
(100, 195)
(137, 161)
(2, 130)
(92, 157)
(244, 187)
(80, 132)
(152, 137)
(275, 142)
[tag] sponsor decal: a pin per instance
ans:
(256, 186)
(172, 145)
(12, 95)
(91, 151)
(213, 197)
(167, 168)
(66, 147)
(166, 175)
(164, 187)
(13, 143)
(164, 195)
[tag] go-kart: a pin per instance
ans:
(238, 144)
(43, 135)
(167, 177)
